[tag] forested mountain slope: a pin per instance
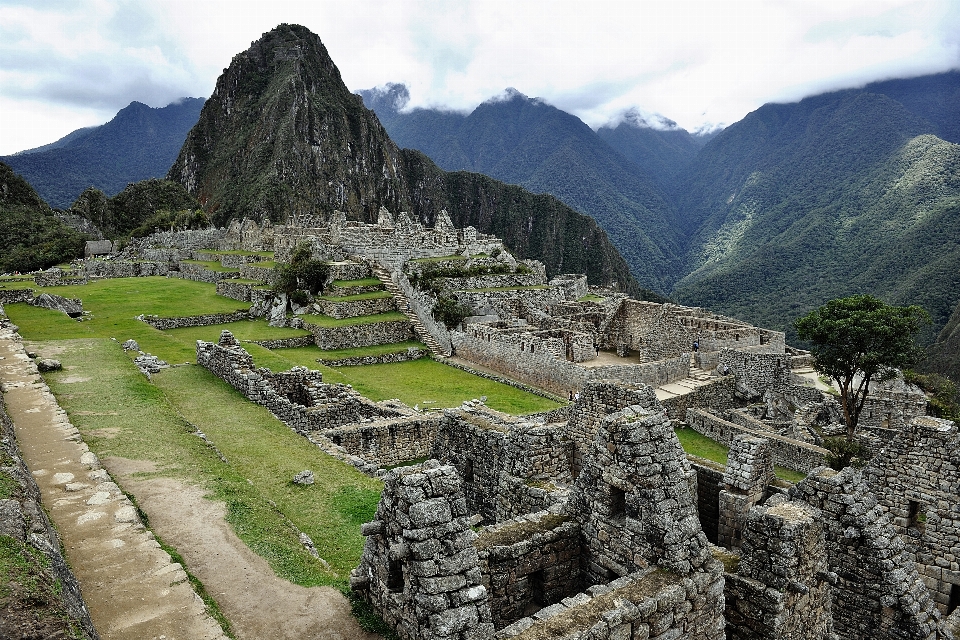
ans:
(283, 136)
(525, 141)
(838, 194)
(137, 144)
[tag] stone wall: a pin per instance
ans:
(388, 442)
(509, 466)
(593, 404)
(242, 291)
(298, 397)
(421, 304)
(787, 452)
(542, 369)
(892, 405)
(12, 296)
(419, 568)
(194, 321)
(360, 335)
(499, 302)
(916, 479)
(573, 285)
(94, 268)
(650, 603)
(781, 590)
(717, 394)
(749, 470)
(878, 593)
(411, 353)
(492, 280)
(633, 500)
(352, 308)
(755, 373)
(201, 273)
(530, 562)
(251, 271)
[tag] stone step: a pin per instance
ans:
(404, 307)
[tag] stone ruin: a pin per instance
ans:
(590, 521)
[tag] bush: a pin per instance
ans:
(303, 273)
(450, 312)
(843, 453)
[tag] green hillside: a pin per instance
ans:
(838, 194)
(31, 235)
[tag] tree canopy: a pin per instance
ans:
(859, 340)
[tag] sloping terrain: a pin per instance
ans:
(138, 143)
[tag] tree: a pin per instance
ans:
(859, 340)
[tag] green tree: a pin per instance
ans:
(859, 340)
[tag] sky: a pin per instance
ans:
(66, 64)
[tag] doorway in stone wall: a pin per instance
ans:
(954, 598)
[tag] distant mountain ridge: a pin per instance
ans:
(139, 143)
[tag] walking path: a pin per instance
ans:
(132, 588)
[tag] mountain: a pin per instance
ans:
(139, 143)
(283, 136)
(139, 209)
(846, 192)
(31, 235)
(526, 141)
(943, 356)
(661, 151)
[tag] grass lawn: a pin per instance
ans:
(213, 266)
(14, 284)
(703, 447)
(366, 282)
(263, 264)
(240, 252)
(374, 350)
(329, 323)
(115, 303)
(263, 455)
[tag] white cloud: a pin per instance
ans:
(72, 64)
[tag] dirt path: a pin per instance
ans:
(131, 587)
(258, 604)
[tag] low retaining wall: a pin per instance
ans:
(360, 335)
(242, 291)
(787, 452)
(647, 604)
(12, 296)
(124, 269)
(194, 321)
(412, 353)
(286, 343)
(718, 394)
(200, 273)
(355, 308)
(253, 272)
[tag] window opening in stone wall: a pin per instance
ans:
(468, 470)
(913, 513)
(535, 582)
(618, 504)
(954, 598)
(395, 576)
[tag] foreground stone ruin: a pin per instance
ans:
(590, 521)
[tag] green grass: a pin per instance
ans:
(12, 284)
(263, 456)
(365, 282)
(373, 295)
(440, 259)
(701, 446)
(263, 264)
(239, 252)
(115, 303)
(590, 297)
(330, 323)
(243, 281)
(212, 266)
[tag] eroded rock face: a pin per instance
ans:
(70, 306)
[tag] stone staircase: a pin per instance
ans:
(696, 378)
(403, 306)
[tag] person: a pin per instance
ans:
(696, 345)
(576, 397)
(570, 394)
